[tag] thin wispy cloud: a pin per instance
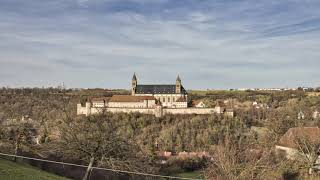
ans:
(211, 43)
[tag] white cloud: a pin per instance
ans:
(236, 46)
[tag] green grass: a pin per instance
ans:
(194, 175)
(15, 171)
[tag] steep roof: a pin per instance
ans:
(178, 78)
(196, 102)
(129, 98)
(134, 77)
(158, 89)
(182, 99)
(290, 138)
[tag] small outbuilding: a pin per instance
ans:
(290, 143)
(198, 104)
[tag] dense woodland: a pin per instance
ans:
(241, 147)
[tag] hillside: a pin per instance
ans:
(13, 171)
(177, 145)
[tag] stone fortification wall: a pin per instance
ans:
(122, 110)
(86, 109)
(81, 109)
(131, 110)
(156, 111)
(189, 111)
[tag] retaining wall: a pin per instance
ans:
(157, 112)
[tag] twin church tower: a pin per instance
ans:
(170, 95)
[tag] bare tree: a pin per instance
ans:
(308, 153)
(95, 139)
(238, 159)
(18, 132)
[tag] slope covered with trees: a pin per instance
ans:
(43, 123)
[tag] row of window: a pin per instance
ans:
(164, 99)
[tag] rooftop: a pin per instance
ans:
(196, 102)
(101, 99)
(129, 98)
(158, 89)
(182, 99)
(290, 138)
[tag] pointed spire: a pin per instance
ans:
(178, 85)
(134, 76)
(178, 78)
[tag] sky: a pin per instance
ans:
(211, 44)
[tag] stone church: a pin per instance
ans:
(156, 99)
(166, 95)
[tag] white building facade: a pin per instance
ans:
(168, 95)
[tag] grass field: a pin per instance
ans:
(14, 171)
(194, 175)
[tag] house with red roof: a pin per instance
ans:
(291, 143)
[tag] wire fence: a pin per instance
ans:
(99, 168)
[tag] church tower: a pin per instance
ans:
(134, 84)
(178, 85)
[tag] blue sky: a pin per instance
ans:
(216, 44)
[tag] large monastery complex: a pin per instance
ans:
(168, 96)
(157, 99)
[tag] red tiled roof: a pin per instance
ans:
(129, 98)
(182, 99)
(196, 102)
(99, 99)
(290, 138)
